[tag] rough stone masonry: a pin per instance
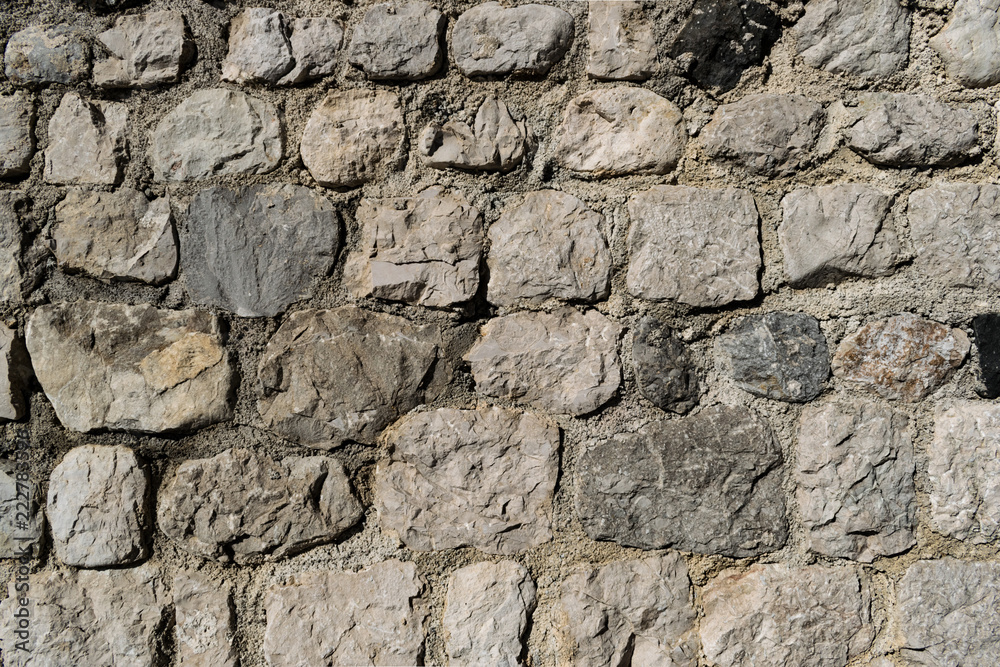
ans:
(558, 334)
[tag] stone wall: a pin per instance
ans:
(608, 333)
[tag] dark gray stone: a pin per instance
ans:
(11, 240)
(398, 41)
(663, 369)
(47, 54)
(17, 134)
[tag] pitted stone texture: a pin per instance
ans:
(769, 135)
(256, 250)
(244, 506)
(632, 612)
(621, 40)
(352, 136)
(954, 227)
(663, 368)
(134, 368)
(904, 357)
(495, 142)
(424, 250)
(491, 39)
(325, 619)
(259, 50)
(117, 235)
(47, 54)
(854, 476)
(832, 231)
(315, 43)
(548, 246)
(111, 617)
(620, 131)
(710, 484)
(914, 131)
(11, 239)
(86, 142)
(777, 355)
(22, 519)
(486, 614)
(969, 44)
(398, 41)
(146, 50)
(15, 373)
(563, 362)
(698, 246)
(216, 132)
(204, 621)
(481, 478)
(780, 615)
(17, 135)
(858, 37)
(329, 376)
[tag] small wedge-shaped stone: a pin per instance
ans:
(259, 50)
(15, 373)
(328, 376)
(22, 519)
(17, 135)
(491, 39)
(86, 142)
(710, 484)
(147, 50)
(134, 368)
(632, 612)
(495, 142)
(563, 362)
(621, 40)
(424, 250)
(117, 235)
(548, 246)
(663, 368)
(204, 621)
(315, 44)
(398, 41)
(47, 54)
(969, 44)
(11, 240)
(244, 506)
(481, 478)
(326, 619)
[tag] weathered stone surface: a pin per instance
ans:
(663, 369)
(619, 131)
(779, 615)
(242, 506)
(47, 54)
(315, 42)
(204, 621)
(859, 37)
(495, 142)
(710, 484)
(903, 357)
(769, 135)
(11, 239)
(954, 231)
(491, 39)
(86, 142)
(481, 478)
(621, 40)
(146, 50)
(117, 235)
(632, 612)
(398, 41)
(486, 614)
(135, 368)
(352, 135)
(98, 505)
(969, 44)
(697, 246)
(216, 132)
(22, 519)
(15, 373)
(548, 246)
(776, 355)
(371, 617)
(17, 135)
(854, 476)
(424, 250)
(259, 50)
(987, 330)
(328, 376)
(256, 250)
(564, 361)
(832, 231)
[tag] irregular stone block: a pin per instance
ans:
(259, 50)
(664, 372)
(86, 142)
(621, 40)
(242, 506)
(969, 44)
(353, 135)
(398, 41)
(693, 245)
(424, 250)
(564, 361)
(491, 39)
(255, 250)
(315, 44)
(15, 373)
(47, 54)
(11, 239)
(134, 368)
(371, 617)
(328, 376)
(22, 519)
(904, 357)
(549, 246)
(216, 132)
(146, 50)
(495, 142)
(17, 135)
(987, 330)
(204, 621)
(481, 478)
(620, 131)
(710, 484)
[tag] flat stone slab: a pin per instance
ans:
(47, 54)
(316, 43)
(204, 621)
(12, 202)
(664, 370)
(491, 39)
(17, 134)
(259, 49)
(621, 41)
(15, 376)
(22, 515)
(398, 41)
(709, 484)
(87, 142)
(146, 50)
(968, 43)
(495, 142)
